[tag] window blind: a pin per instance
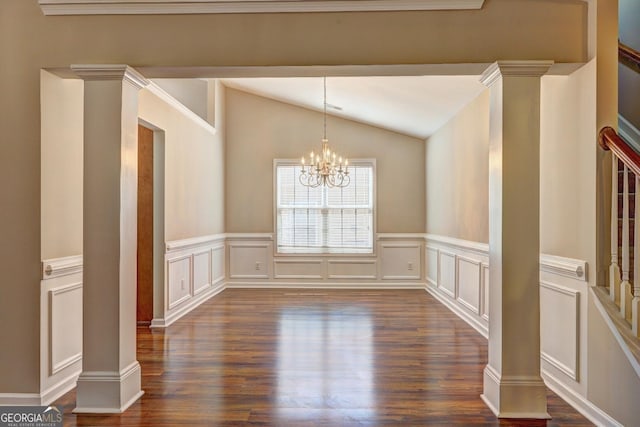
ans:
(323, 219)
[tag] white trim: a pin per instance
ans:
(192, 242)
(527, 68)
(128, 7)
(59, 389)
(115, 384)
(467, 245)
(201, 297)
(57, 267)
(466, 304)
(443, 297)
(578, 402)
(110, 72)
(629, 132)
(166, 97)
(351, 261)
(570, 372)
(57, 367)
(271, 284)
(568, 267)
(614, 331)
(277, 261)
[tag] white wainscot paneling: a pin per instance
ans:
(201, 271)
(559, 320)
(352, 269)
(400, 261)
(65, 322)
(179, 277)
(249, 260)
(432, 266)
(485, 292)
(297, 268)
(447, 273)
(217, 263)
(469, 284)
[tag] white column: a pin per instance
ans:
(513, 387)
(110, 378)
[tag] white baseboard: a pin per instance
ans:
(271, 284)
(188, 306)
(459, 311)
(60, 388)
(579, 403)
(108, 392)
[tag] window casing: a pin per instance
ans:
(324, 220)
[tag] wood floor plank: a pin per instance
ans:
(314, 358)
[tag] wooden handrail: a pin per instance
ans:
(629, 57)
(609, 140)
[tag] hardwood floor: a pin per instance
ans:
(314, 358)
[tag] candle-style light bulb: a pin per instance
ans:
(302, 160)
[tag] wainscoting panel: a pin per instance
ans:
(559, 326)
(400, 261)
(65, 321)
(249, 260)
(485, 292)
(217, 264)
(179, 277)
(201, 271)
(447, 277)
(432, 266)
(352, 269)
(458, 276)
(195, 271)
(469, 285)
(60, 328)
(298, 268)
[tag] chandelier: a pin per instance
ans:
(326, 167)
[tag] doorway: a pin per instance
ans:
(145, 227)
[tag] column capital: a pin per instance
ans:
(110, 72)
(514, 69)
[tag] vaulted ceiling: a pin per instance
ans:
(413, 105)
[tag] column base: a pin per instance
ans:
(108, 392)
(515, 396)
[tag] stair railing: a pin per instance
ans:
(622, 290)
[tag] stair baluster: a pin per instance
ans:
(614, 268)
(635, 302)
(625, 286)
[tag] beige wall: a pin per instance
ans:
(260, 130)
(567, 161)
(29, 41)
(194, 180)
(61, 114)
(457, 175)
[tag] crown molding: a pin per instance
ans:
(514, 69)
(166, 97)
(110, 72)
(141, 7)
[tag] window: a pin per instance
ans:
(322, 219)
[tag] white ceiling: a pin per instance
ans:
(413, 105)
